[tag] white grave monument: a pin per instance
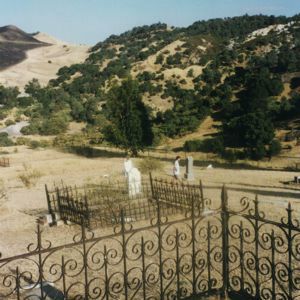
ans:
(134, 178)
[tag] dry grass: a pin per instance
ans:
(149, 164)
(30, 176)
(3, 192)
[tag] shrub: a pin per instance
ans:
(9, 122)
(33, 128)
(149, 164)
(274, 148)
(5, 141)
(69, 140)
(29, 177)
(3, 115)
(209, 145)
(34, 144)
(55, 125)
(230, 155)
(22, 141)
(190, 73)
(192, 145)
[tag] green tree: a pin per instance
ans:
(159, 59)
(130, 127)
(33, 87)
(252, 131)
(8, 96)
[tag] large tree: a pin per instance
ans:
(130, 127)
(251, 125)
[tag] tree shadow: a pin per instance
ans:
(90, 152)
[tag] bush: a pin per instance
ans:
(54, 125)
(3, 115)
(33, 128)
(34, 144)
(22, 141)
(9, 122)
(69, 140)
(209, 145)
(230, 155)
(190, 73)
(149, 164)
(30, 176)
(274, 148)
(192, 145)
(5, 141)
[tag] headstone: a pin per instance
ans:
(49, 219)
(57, 216)
(134, 180)
(189, 174)
(127, 166)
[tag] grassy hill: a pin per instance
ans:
(13, 45)
(221, 69)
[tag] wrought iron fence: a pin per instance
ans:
(99, 205)
(161, 260)
(232, 250)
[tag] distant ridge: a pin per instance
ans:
(14, 43)
(25, 56)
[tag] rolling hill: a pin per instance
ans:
(26, 56)
(13, 45)
(238, 75)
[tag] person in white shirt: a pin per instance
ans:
(176, 168)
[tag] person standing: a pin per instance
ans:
(176, 168)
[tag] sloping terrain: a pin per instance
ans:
(230, 72)
(24, 57)
(13, 45)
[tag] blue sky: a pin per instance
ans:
(91, 21)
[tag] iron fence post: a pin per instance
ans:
(143, 267)
(256, 229)
(40, 263)
(201, 195)
(124, 253)
(85, 266)
(224, 217)
(63, 274)
(209, 283)
(193, 247)
(18, 283)
(273, 266)
(178, 292)
(290, 251)
(151, 185)
(106, 280)
(87, 212)
(160, 251)
(59, 204)
(48, 200)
